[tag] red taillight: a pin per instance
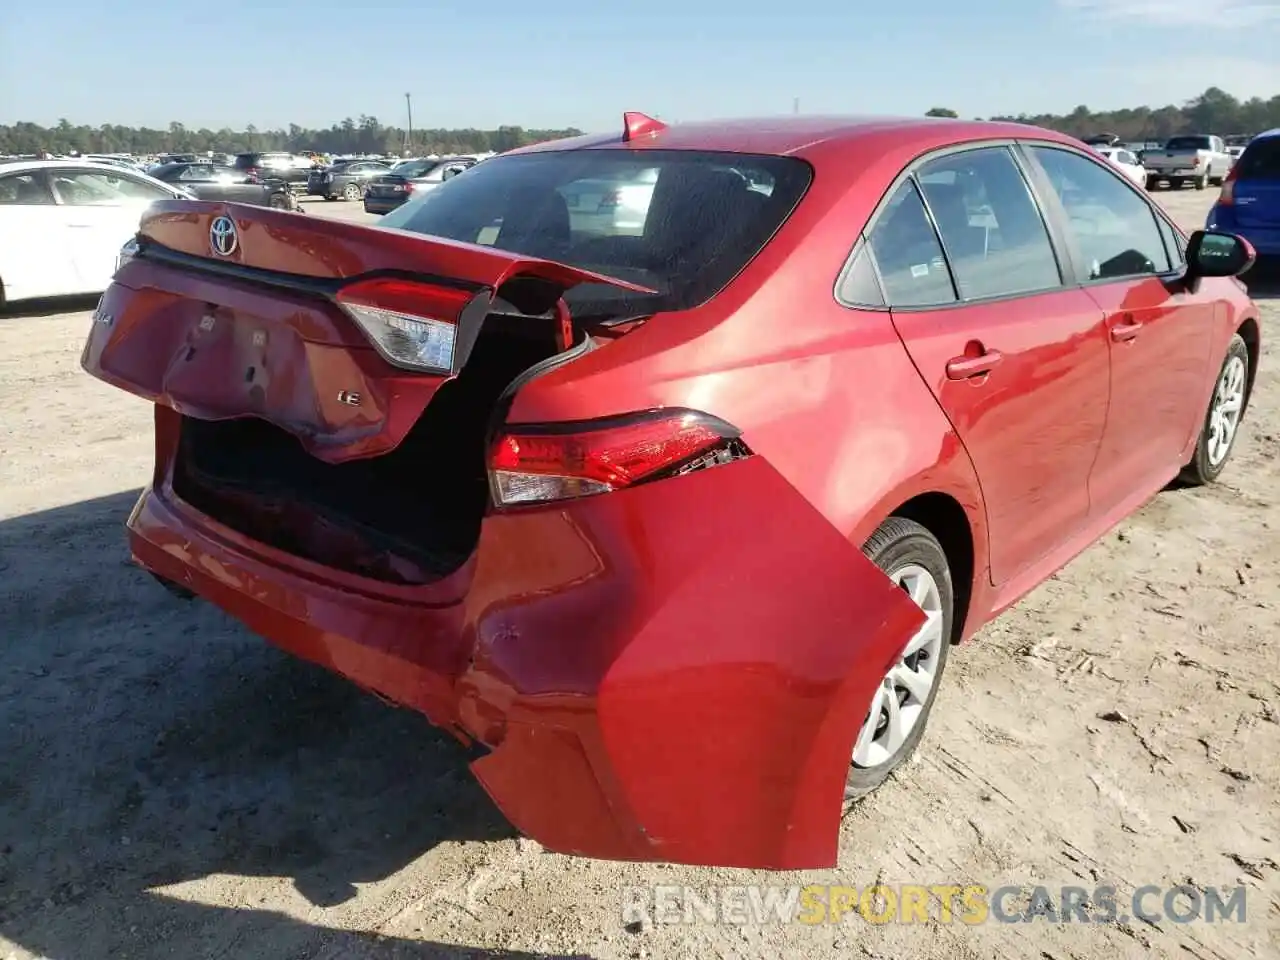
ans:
(539, 464)
(1227, 197)
(413, 325)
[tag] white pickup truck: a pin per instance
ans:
(1199, 159)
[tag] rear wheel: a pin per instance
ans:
(1153, 183)
(1201, 182)
(278, 202)
(1222, 421)
(351, 192)
(912, 558)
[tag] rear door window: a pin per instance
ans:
(1113, 228)
(994, 236)
(1260, 161)
(86, 188)
(913, 269)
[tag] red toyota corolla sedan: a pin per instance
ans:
(663, 467)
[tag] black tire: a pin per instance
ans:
(1153, 184)
(898, 543)
(1201, 469)
(278, 203)
(1200, 182)
(352, 192)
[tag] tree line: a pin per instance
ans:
(353, 135)
(1214, 111)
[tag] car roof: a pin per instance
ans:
(10, 166)
(1267, 135)
(807, 136)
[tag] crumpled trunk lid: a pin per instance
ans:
(215, 328)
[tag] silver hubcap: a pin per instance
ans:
(898, 703)
(1224, 414)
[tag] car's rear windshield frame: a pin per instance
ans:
(446, 209)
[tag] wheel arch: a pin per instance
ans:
(1250, 333)
(944, 516)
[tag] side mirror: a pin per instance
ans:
(1214, 254)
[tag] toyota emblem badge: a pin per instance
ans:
(222, 236)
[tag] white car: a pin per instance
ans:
(1127, 162)
(63, 222)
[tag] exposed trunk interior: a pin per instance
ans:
(409, 516)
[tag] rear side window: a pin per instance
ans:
(908, 255)
(681, 222)
(1113, 228)
(1260, 160)
(992, 230)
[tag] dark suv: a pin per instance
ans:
(274, 166)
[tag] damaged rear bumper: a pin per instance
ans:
(674, 672)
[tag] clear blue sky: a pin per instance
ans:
(555, 63)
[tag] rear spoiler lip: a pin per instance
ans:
(490, 267)
(327, 287)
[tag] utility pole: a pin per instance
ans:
(795, 105)
(408, 134)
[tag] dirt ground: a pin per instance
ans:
(171, 786)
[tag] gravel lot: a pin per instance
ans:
(173, 787)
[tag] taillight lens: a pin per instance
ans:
(413, 325)
(1227, 196)
(541, 464)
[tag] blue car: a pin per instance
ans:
(1250, 201)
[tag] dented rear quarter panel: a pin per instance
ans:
(710, 674)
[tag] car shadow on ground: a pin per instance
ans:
(151, 741)
(1263, 281)
(47, 306)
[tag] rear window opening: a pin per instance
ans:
(1189, 143)
(410, 516)
(681, 222)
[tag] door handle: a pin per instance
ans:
(964, 368)
(1123, 332)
